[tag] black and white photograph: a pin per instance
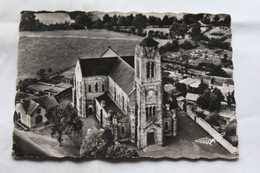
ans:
(129, 86)
(94, 84)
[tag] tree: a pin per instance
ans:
(154, 20)
(129, 20)
(227, 21)
(114, 20)
(65, 121)
(140, 21)
(109, 25)
(218, 71)
(22, 84)
(121, 21)
(181, 87)
(206, 19)
(166, 20)
(187, 19)
(186, 45)
(172, 20)
(119, 151)
(196, 32)
(202, 87)
(83, 20)
(98, 24)
(211, 100)
(170, 47)
(41, 73)
(49, 70)
(216, 18)
(178, 30)
(106, 18)
(100, 143)
(28, 21)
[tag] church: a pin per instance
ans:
(125, 93)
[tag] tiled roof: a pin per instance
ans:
(130, 60)
(192, 96)
(123, 74)
(29, 106)
(47, 101)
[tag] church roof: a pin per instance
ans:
(148, 42)
(96, 66)
(123, 74)
(119, 68)
(130, 60)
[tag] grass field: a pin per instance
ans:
(61, 49)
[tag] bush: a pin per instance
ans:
(100, 143)
(187, 45)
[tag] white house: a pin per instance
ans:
(32, 112)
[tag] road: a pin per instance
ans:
(23, 147)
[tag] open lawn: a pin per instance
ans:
(61, 49)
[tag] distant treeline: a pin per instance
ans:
(130, 23)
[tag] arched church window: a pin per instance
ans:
(148, 70)
(89, 88)
(123, 130)
(103, 87)
(150, 111)
(152, 69)
(96, 87)
(123, 102)
(166, 126)
(154, 110)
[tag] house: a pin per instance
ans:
(125, 94)
(32, 112)
(192, 98)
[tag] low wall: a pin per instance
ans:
(219, 138)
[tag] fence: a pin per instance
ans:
(219, 138)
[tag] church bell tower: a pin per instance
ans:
(148, 93)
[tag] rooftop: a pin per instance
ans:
(29, 106)
(192, 96)
(96, 66)
(110, 105)
(47, 101)
(148, 42)
(192, 82)
(120, 69)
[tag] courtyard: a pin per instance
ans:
(184, 143)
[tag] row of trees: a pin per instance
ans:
(174, 46)
(139, 21)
